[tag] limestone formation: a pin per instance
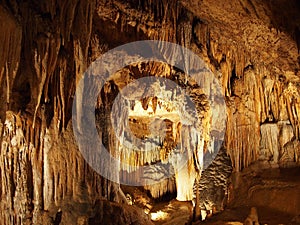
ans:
(252, 217)
(252, 49)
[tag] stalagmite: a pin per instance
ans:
(185, 178)
(252, 218)
(269, 141)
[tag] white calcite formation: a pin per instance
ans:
(164, 135)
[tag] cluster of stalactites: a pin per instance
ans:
(263, 119)
(38, 171)
(185, 157)
(52, 51)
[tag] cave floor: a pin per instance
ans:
(180, 213)
(236, 216)
(163, 212)
(280, 185)
(172, 212)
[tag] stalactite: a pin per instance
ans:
(160, 189)
(62, 92)
(45, 58)
(67, 13)
(7, 83)
(185, 34)
(17, 186)
(80, 66)
(190, 141)
(36, 156)
(241, 134)
(10, 39)
(291, 95)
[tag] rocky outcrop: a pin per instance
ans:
(267, 187)
(214, 185)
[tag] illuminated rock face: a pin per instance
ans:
(162, 134)
(185, 179)
(45, 48)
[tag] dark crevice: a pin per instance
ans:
(233, 79)
(213, 61)
(58, 217)
(197, 21)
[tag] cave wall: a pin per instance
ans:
(46, 46)
(257, 64)
(44, 51)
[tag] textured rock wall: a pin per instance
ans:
(11, 37)
(213, 185)
(256, 61)
(44, 51)
(41, 171)
(184, 139)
